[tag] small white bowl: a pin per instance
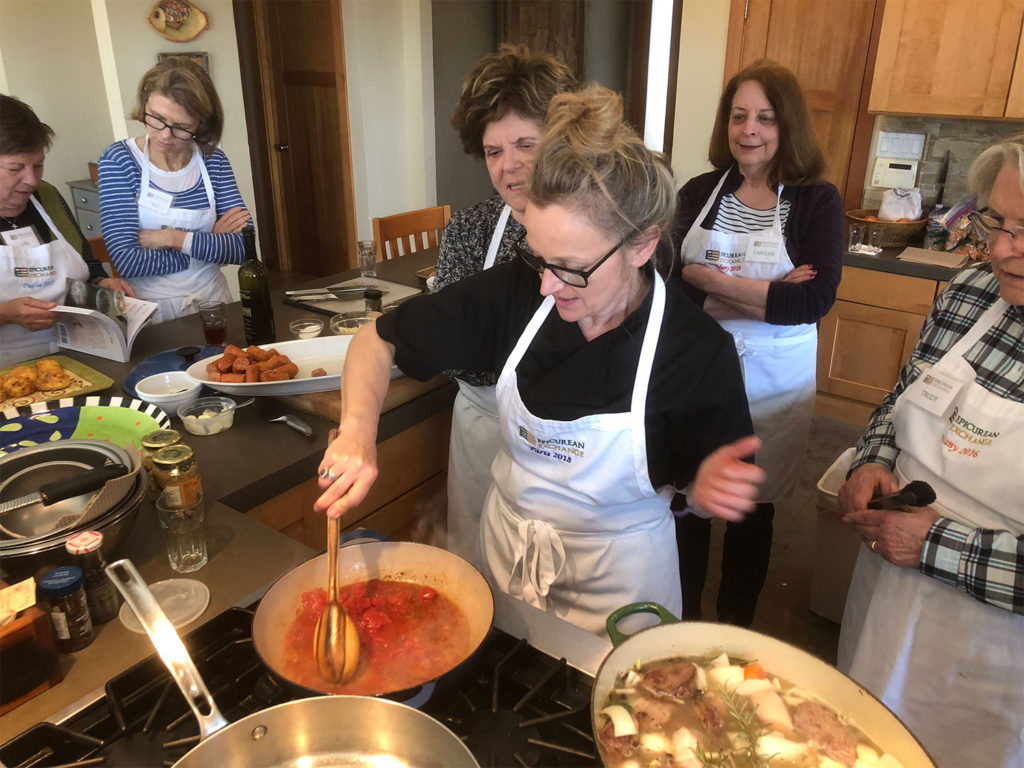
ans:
(308, 328)
(347, 323)
(169, 390)
(208, 415)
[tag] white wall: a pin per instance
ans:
(391, 106)
(704, 30)
(50, 61)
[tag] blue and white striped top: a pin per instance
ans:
(120, 179)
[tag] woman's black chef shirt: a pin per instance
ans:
(695, 403)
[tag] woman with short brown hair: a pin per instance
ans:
(170, 208)
(500, 118)
(761, 245)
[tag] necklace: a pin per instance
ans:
(12, 223)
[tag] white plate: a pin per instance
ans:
(327, 352)
(183, 600)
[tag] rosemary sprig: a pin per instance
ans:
(744, 714)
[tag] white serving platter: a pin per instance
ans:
(327, 352)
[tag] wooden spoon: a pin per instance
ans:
(336, 642)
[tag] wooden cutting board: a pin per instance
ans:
(327, 405)
(392, 293)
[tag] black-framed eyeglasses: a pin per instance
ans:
(578, 278)
(177, 132)
(987, 228)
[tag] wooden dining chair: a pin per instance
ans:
(99, 251)
(411, 231)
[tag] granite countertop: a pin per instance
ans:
(238, 472)
(887, 261)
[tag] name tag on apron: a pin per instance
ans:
(23, 236)
(935, 390)
(155, 200)
(724, 261)
(764, 248)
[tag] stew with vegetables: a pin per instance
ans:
(699, 713)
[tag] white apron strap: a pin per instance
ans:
(499, 230)
(49, 222)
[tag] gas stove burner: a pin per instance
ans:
(512, 704)
(523, 709)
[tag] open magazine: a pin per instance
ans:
(101, 322)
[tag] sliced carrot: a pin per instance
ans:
(754, 671)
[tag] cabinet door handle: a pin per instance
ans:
(83, 199)
(281, 147)
(89, 227)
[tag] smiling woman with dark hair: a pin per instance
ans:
(613, 389)
(41, 245)
(761, 245)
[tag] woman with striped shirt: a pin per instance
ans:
(169, 204)
(761, 247)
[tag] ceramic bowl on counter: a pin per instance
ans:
(208, 415)
(347, 323)
(169, 390)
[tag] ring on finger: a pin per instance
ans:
(874, 542)
(327, 474)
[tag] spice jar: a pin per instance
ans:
(151, 443)
(63, 589)
(374, 300)
(100, 593)
(177, 474)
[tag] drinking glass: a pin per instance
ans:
(184, 531)
(367, 258)
(856, 236)
(214, 315)
(875, 238)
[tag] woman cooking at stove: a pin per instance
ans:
(613, 391)
(41, 245)
(499, 117)
(934, 619)
(762, 239)
(169, 204)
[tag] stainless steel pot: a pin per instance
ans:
(398, 560)
(673, 638)
(320, 731)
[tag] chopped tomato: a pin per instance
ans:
(313, 603)
(427, 593)
(374, 620)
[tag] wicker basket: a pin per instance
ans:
(895, 234)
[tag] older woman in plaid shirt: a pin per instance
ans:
(934, 621)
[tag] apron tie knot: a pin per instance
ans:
(538, 561)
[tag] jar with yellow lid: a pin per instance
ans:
(151, 443)
(177, 472)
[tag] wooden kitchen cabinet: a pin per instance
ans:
(826, 45)
(950, 57)
(867, 337)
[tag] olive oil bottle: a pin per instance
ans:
(254, 291)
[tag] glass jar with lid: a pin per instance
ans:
(177, 473)
(63, 589)
(151, 443)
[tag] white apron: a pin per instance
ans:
(572, 523)
(40, 271)
(950, 666)
(179, 293)
(779, 361)
(474, 442)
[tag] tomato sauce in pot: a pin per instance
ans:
(409, 634)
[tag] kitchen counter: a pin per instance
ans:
(240, 469)
(886, 261)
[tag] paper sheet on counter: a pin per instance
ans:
(938, 258)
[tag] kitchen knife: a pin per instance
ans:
(941, 184)
(58, 490)
(914, 494)
(274, 411)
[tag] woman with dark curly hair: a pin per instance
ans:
(614, 389)
(169, 204)
(499, 117)
(761, 247)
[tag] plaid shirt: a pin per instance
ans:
(987, 564)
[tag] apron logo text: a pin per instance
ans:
(970, 432)
(724, 262)
(557, 448)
